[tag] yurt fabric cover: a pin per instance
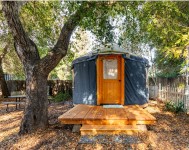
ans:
(85, 87)
(136, 91)
(85, 82)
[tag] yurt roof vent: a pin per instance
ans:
(112, 48)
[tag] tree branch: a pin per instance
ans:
(60, 49)
(25, 47)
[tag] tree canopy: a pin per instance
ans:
(167, 29)
(160, 25)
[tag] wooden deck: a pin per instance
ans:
(99, 120)
(97, 115)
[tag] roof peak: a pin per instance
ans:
(111, 47)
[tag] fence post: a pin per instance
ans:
(159, 91)
(187, 98)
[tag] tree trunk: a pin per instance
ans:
(3, 84)
(36, 110)
(36, 69)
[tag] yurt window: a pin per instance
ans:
(110, 69)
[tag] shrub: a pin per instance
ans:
(173, 107)
(62, 97)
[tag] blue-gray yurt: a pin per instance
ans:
(110, 76)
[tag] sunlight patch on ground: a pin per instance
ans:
(153, 109)
(9, 123)
(169, 132)
(10, 126)
(9, 115)
(27, 142)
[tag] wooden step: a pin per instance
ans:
(112, 129)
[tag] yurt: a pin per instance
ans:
(110, 76)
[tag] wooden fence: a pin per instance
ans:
(54, 86)
(174, 94)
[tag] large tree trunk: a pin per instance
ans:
(36, 110)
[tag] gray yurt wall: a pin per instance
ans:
(84, 87)
(136, 91)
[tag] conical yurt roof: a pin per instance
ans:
(108, 49)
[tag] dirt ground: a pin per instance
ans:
(170, 132)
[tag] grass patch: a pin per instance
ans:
(173, 107)
(62, 97)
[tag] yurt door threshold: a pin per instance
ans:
(110, 79)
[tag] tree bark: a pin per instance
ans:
(36, 69)
(36, 110)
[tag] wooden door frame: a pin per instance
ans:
(99, 82)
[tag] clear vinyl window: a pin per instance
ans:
(110, 69)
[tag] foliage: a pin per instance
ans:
(173, 107)
(166, 27)
(62, 97)
(181, 86)
(79, 45)
(131, 36)
(163, 26)
(11, 62)
(42, 21)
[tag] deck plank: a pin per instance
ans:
(112, 113)
(120, 112)
(130, 115)
(83, 112)
(135, 113)
(92, 113)
(69, 114)
(73, 112)
(101, 114)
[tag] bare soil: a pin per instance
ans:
(170, 132)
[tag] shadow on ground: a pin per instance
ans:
(171, 131)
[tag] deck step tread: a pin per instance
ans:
(112, 129)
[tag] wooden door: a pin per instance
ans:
(109, 79)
